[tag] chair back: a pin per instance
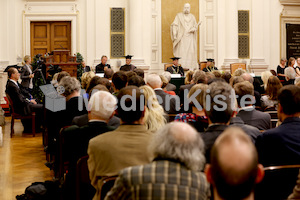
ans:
(235, 66)
(107, 184)
(203, 65)
(11, 104)
(62, 161)
(168, 65)
(273, 113)
(278, 182)
(84, 189)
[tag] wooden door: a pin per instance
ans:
(49, 36)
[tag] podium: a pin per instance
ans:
(63, 59)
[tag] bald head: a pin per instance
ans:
(247, 77)
(234, 164)
(179, 141)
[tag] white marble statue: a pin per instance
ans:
(184, 37)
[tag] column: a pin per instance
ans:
(136, 31)
(231, 31)
(257, 43)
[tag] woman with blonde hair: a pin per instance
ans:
(265, 77)
(188, 77)
(86, 78)
(154, 113)
(26, 74)
(197, 117)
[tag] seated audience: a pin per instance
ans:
(281, 145)
(86, 78)
(22, 100)
(61, 75)
(130, 74)
(154, 113)
(235, 79)
(93, 82)
(247, 112)
(257, 95)
(265, 77)
(234, 170)
(76, 139)
(108, 73)
(198, 77)
(136, 80)
(218, 119)
(290, 76)
(217, 73)
(139, 72)
(105, 82)
(126, 146)
(239, 72)
(119, 81)
(273, 86)
(188, 77)
(209, 77)
(197, 118)
(164, 85)
(175, 173)
(170, 103)
(226, 76)
(170, 86)
(83, 120)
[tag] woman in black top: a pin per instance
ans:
(280, 69)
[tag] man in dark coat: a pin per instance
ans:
(175, 68)
(210, 66)
(128, 66)
(103, 65)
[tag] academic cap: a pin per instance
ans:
(128, 56)
(210, 60)
(175, 58)
(12, 66)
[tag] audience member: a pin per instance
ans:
(136, 80)
(209, 77)
(270, 99)
(100, 68)
(93, 82)
(235, 79)
(76, 139)
(83, 120)
(23, 104)
(280, 69)
(291, 62)
(218, 112)
(297, 67)
(170, 103)
(127, 146)
(130, 74)
(197, 117)
(188, 77)
(86, 78)
(61, 75)
(154, 113)
(234, 170)
(106, 83)
(239, 72)
(119, 81)
(54, 80)
(108, 73)
(226, 76)
(265, 77)
(170, 86)
(290, 76)
(177, 148)
(217, 73)
(296, 190)
(139, 72)
(165, 82)
(281, 145)
(247, 112)
(257, 95)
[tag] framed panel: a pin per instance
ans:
(117, 32)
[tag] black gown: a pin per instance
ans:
(174, 70)
(127, 67)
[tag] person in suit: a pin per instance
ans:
(247, 112)
(257, 95)
(119, 81)
(126, 146)
(26, 74)
(170, 103)
(290, 76)
(170, 86)
(198, 77)
(175, 68)
(100, 68)
(76, 139)
(217, 120)
(281, 145)
(234, 169)
(128, 66)
(86, 68)
(177, 148)
(210, 65)
(22, 100)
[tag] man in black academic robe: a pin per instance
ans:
(128, 66)
(175, 68)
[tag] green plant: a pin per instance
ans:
(79, 60)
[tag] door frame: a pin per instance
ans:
(28, 18)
